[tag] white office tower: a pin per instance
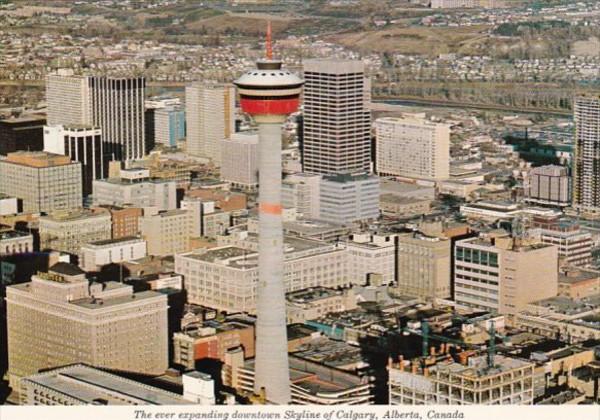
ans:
(118, 109)
(210, 118)
(586, 161)
(412, 147)
(337, 119)
(68, 98)
(239, 160)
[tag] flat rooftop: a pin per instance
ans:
(100, 303)
(106, 242)
(311, 294)
(38, 159)
(13, 234)
(69, 216)
(567, 306)
(316, 378)
(89, 385)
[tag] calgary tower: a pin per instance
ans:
(270, 94)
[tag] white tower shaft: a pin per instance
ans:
(271, 362)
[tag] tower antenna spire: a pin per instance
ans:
(269, 41)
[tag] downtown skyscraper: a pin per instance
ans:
(586, 160)
(210, 118)
(336, 131)
(113, 104)
(118, 109)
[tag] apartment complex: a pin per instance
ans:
(423, 266)
(473, 381)
(82, 144)
(337, 120)
(586, 172)
(548, 185)
(503, 274)
(69, 231)
(45, 182)
(412, 147)
(104, 325)
(239, 160)
(134, 187)
(210, 118)
(307, 264)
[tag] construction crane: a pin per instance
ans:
(425, 333)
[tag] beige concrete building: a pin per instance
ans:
(44, 181)
(395, 206)
(571, 320)
(307, 264)
(59, 318)
(371, 254)
(314, 302)
(502, 274)
(577, 283)
(508, 381)
(167, 232)
(210, 118)
(134, 187)
(69, 231)
(15, 242)
(84, 385)
(423, 266)
(412, 147)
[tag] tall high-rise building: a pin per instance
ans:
(210, 118)
(82, 144)
(59, 318)
(412, 147)
(115, 104)
(270, 94)
(118, 109)
(337, 120)
(169, 125)
(68, 98)
(45, 182)
(586, 161)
